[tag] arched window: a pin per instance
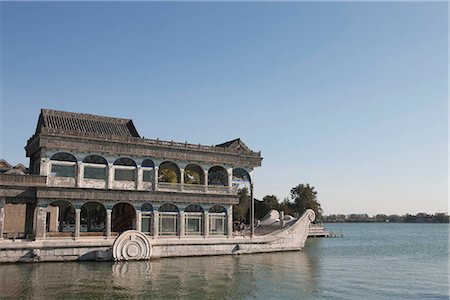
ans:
(168, 220)
(148, 170)
(146, 219)
(217, 209)
(193, 220)
(218, 176)
(241, 175)
(63, 156)
(125, 161)
(169, 172)
(148, 163)
(123, 216)
(63, 165)
(217, 220)
(95, 167)
(146, 207)
(93, 218)
(194, 174)
(125, 169)
(168, 207)
(61, 218)
(95, 159)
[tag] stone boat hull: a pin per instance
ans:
(134, 245)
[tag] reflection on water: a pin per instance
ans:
(385, 261)
(212, 277)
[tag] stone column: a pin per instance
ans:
(138, 220)
(206, 224)
(139, 179)
(45, 167)
(155, 179)
(110, 176)
(2, 216)
(41, 222)
(181, 228)
(230, 177)
(80, 173)
(182, 179)
(281, 219)
(206, 180)
(108, 223)
(230, 221)
(155, 226)
(77, 222)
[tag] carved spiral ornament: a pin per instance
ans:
(131, 245)
(311, 215)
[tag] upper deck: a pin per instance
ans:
(76, 150)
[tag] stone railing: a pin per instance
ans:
(138, 140)
(187, 145)
(195, 188)
(23, 180)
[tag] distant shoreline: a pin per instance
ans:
(367, 222)
(420, 218)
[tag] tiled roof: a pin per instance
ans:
(236, 144)
(6, 168)
(85, 123)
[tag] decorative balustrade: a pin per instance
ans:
(23, 180)
(195, 188)
(138, 140)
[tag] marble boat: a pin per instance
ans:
(96, 190)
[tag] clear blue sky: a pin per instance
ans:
(349, 97)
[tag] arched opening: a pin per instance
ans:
(63, 156)
(95, 159)
(241, 176)
(93, 219)
(146, 218)
(125, 169)
(218, 176)
(60, 219)
(125, 161)
(193, 220)
(148, 170)
(194, 174)
(95, 167)
(169, 172)
(148, 163)
(123, 217)
(63, 165)
(217, 220)
(168, 220)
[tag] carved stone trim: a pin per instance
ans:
(132, 196)
(131, 245)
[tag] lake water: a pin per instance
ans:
(372, 261)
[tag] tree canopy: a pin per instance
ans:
(305, 197)
(241, 210)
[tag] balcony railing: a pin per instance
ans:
(138, 140)
(195, 188)
(23, 180)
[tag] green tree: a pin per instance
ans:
(268, 203)
(381, 218)
(272, 202)
(287, 206)
(441, 218)
(241, 210)
(305, 197)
